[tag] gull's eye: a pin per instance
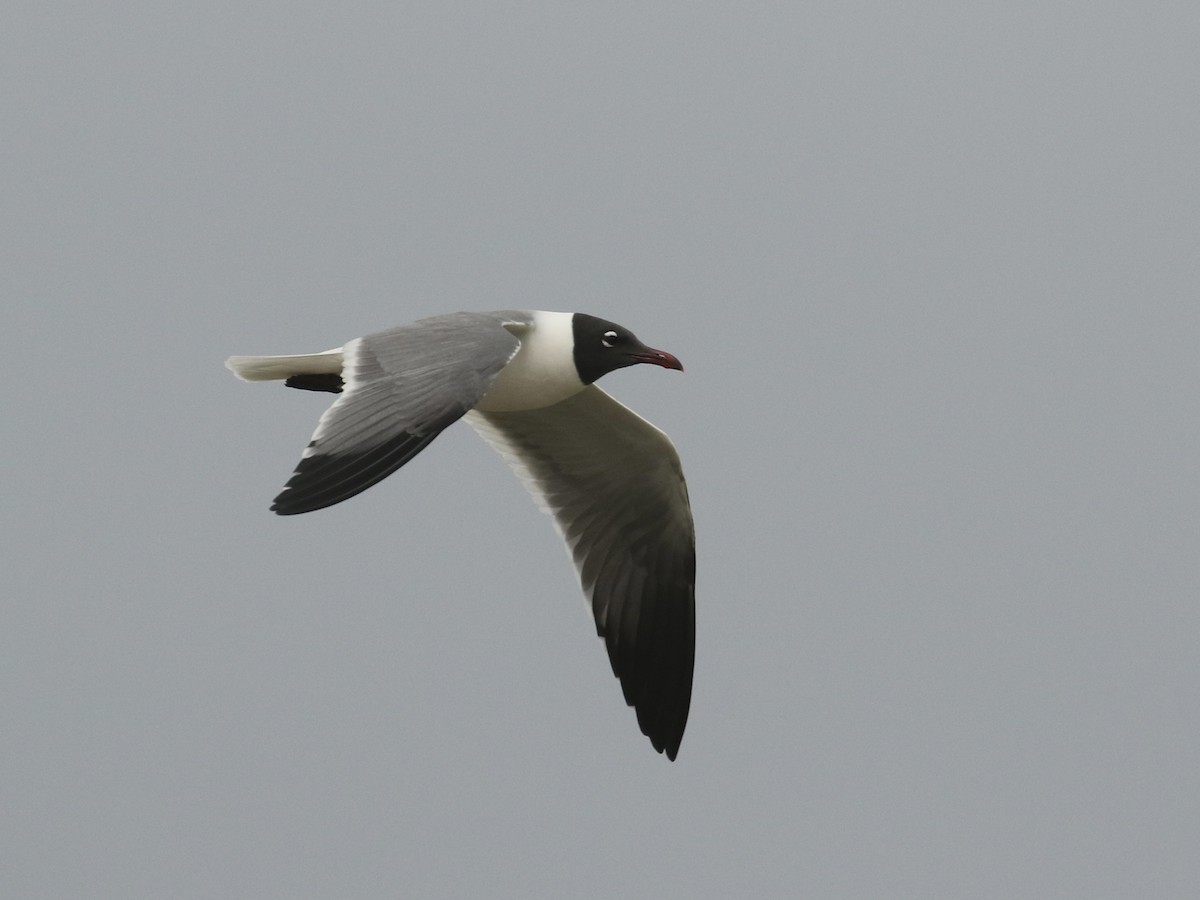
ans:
(609, 339)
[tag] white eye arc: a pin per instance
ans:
(609, 338)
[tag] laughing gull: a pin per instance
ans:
(524, 380)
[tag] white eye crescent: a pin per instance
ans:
(609, 338)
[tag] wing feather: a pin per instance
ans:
(614, 484)
(402, 387)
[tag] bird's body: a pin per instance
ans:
(524, 381)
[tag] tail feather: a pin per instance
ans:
(279, 368)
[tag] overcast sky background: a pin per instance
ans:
(934, 271)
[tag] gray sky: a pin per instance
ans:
(933, 271)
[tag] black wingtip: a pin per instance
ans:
(323, 480)
(666, 733)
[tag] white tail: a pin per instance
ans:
(277, 368)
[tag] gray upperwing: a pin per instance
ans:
(614, 484)
(402, 387)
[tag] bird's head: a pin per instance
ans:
(602, 346)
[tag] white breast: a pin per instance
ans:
(543, 371)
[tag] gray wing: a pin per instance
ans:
(615, 487)
(402, 387)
